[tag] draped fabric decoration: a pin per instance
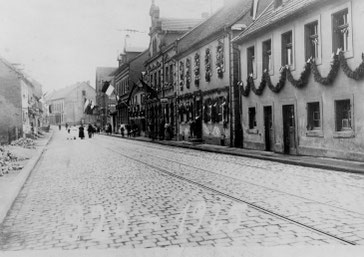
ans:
(208, 72)
(188, 73)
(181, 75)
(197, 70)
(220, 60)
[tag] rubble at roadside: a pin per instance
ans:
(8, 161)
(24, 142)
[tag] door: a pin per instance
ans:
(289, 129)
(268, 128)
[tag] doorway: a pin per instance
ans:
(268, 128)
(289, 129)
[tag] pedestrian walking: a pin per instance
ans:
(90, 130)
(59, 126)
(67, 126)
(81, 132)
(122, 131)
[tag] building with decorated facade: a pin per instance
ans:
(302, 79)
(160, 78)
(205, 68)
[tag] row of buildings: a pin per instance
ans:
(21, 105)
(275, 75)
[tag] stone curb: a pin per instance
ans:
(235, 152)
(14, 187)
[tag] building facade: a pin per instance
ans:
(302, 79)
(72, 105)
(102, 100)
(20, 106)
(161, 73)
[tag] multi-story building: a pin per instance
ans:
(20, 107)
(131, 65)
(161, 71)
(205, 74)
(299, 78)
(102, 100)
(70, 105)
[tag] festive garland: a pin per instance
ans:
(220, 60)
(358, 73)
(181, 75)
(197, 69)
(207, 65)
(303, 80)
(282, 81)
(335, 66)
(188, 73)
(244, 90)
(251, 84)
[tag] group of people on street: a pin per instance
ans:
(130, 130)
(72, 131)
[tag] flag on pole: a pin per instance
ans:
(110, 90)
(86, 104)
(254, 9)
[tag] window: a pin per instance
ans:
(340, 27)
(171, 73)
(267, 55)
(287, 50)
(251, 60)
(311, 40)
(343, 115)
(252, 118)
(167, 74)
(83, 92)
(159, 79)
(313, 116)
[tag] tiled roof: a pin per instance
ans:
(172, 24)
(271, 16)
(228, 15)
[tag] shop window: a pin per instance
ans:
(313, 116)
(287, 49)
(343, 115)
(312, 40)
(340, 27)
(267, 55)
(252, 118)
(251, 60)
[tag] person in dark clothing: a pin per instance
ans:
(59, 126)
(81, 132)
(90, 130)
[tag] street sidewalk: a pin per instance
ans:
(306, 161)
(11, 184)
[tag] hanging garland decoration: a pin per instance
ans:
(335, 66)
(220, 60)
(303, 80)
(282, 80)
(244, 91)
(197, 70)
(259, 90)
(207, 65)
(358, 73)
(188, 73)
(181, 75)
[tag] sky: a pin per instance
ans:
(61, 42)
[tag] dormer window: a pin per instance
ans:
(278, 3)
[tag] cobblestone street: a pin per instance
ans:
(109, 193)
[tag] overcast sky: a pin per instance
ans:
(60, 42)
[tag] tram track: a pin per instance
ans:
(233, 198)
(315, 178)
